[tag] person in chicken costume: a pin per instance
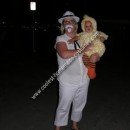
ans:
(89, 28)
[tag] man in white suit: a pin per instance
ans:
(73, 81)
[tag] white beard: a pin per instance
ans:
(69, 28)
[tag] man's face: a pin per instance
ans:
(69, 21)
(88, 26)
(69, 24)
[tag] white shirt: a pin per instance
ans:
(76, 72)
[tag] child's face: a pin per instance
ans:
(88, 26)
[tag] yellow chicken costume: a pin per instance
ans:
(98, 45)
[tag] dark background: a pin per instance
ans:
(28, 59)
(16, 23)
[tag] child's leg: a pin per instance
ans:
(91, 66)
(91, 70)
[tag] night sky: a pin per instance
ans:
(112, 18)
(49, 11)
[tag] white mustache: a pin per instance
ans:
(68, 26)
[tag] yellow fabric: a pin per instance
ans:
(86, 38)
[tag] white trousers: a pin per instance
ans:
(75, 95)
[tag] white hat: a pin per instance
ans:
(68, 14)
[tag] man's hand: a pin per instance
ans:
(94, 57)
(88, 47)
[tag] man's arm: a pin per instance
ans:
(63, 50)
(65, 53)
